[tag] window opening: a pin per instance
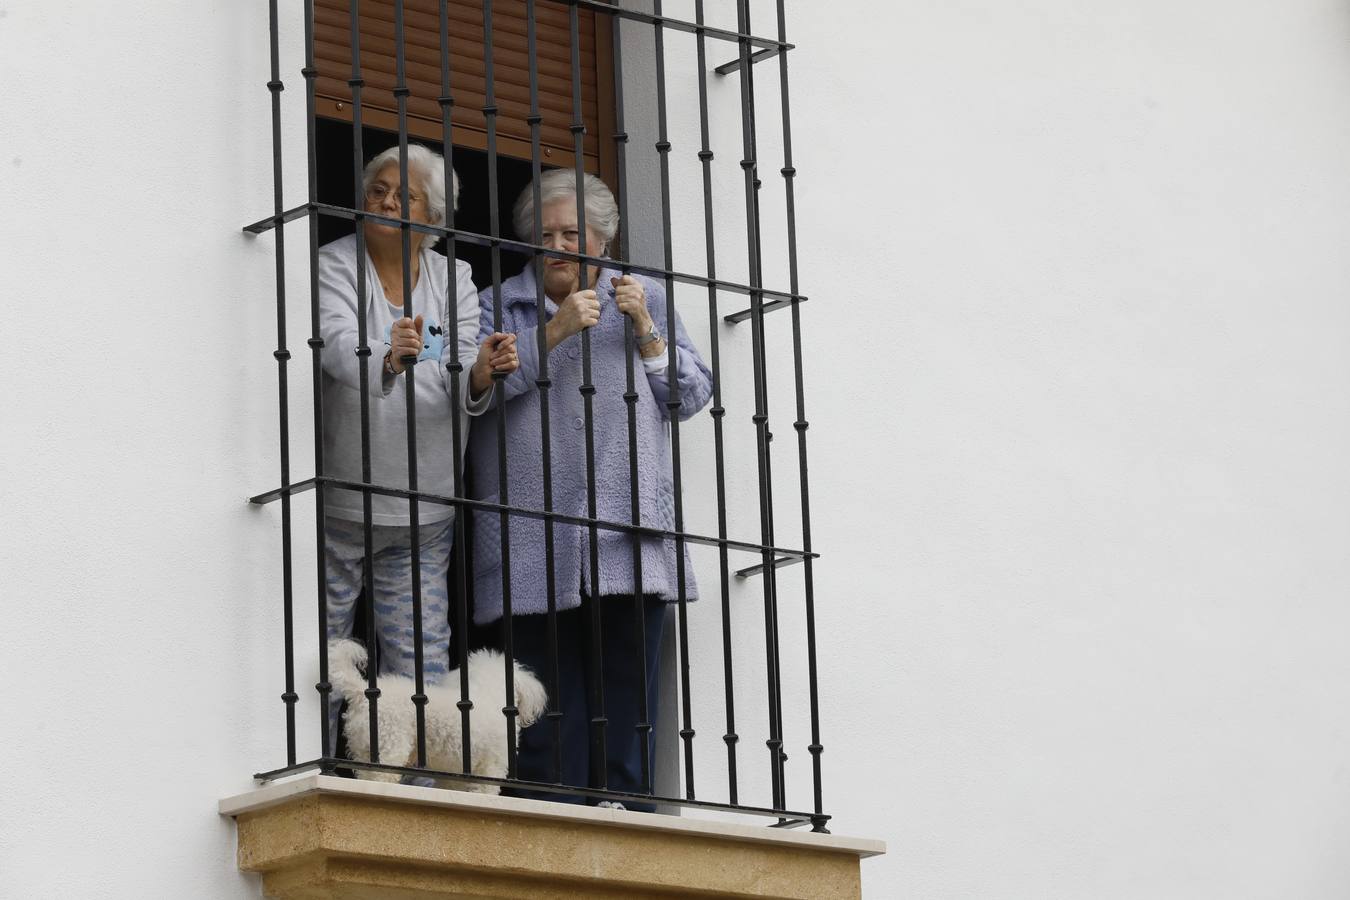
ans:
(501, 135)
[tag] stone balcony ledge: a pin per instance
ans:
(318, 836)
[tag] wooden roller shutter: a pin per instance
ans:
(422, 57)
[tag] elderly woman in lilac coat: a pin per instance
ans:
(599, 306)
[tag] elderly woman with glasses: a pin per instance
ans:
(444, 306)
(629, 648)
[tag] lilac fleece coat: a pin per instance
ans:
(529, 588)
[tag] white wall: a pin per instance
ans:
(1076, 357)
(1080, 434)
(141, 639)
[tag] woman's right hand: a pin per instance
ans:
(405, 342)
(579, 311)
(497, 353)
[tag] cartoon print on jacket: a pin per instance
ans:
(433, 340)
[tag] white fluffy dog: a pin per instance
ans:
(398, 717)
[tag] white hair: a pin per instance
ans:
(428, 167)
(602, 213)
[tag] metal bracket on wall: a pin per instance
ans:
(758, 56)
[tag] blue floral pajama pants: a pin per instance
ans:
(391, 575)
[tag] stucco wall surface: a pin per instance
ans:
(141, 640)
(1076, 358)
(1079, 424)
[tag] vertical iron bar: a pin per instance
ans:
(456, 369)
(630, 396)
(773, 644)
(673, 402)
(543, 383)
(356, 82)
(315, 342)
(761, 418)
(771, 574)
(599, 764)
(401, 91)
(789, 173)
(490, 116)
(705, 155)
(281, 355)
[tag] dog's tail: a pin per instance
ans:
(346, 660)
(531, 697)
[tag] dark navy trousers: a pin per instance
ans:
(623, 653)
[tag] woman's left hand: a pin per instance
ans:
(631, 299)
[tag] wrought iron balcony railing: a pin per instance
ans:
(766, 556)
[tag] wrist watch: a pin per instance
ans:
(650, 337)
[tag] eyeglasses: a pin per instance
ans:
(378, 191)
